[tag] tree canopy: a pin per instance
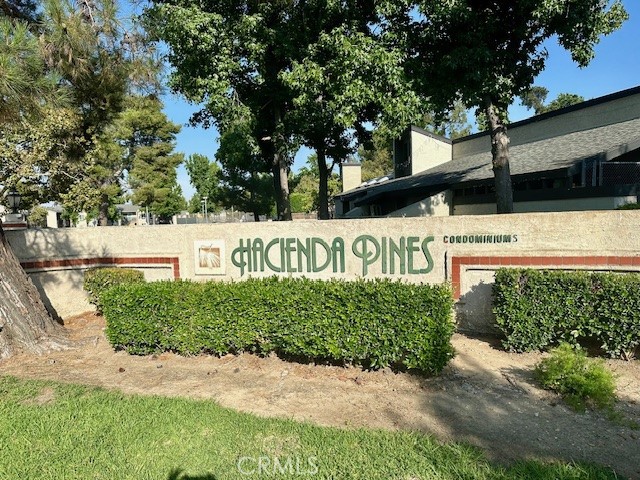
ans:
(149, 139)
(305, 190)
(94, 64)
(536, 97)
(311, 72)
(204, 176)
(243, 183)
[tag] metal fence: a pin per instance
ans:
(620, 173)
(222, 217)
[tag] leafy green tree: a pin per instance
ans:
(494, 50)
(38, 217)
(26, 90)
(98, 188)
(350, 79)
(535, 99)
(78, 57)
(102, 58)
(149, 140)
(377, 159)
(305, 191)
(243, 183)
(309, 72)
(246, 45)
(564, 100)
(162, 195)
(451, 124)
(34, 154)
(205, 177)
(136, 146)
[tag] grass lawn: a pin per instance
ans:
(65, 432)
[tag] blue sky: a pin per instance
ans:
(616, 67)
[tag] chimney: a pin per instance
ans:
(351, 175)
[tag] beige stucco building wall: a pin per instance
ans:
(566, 205)
(462, 250)
(606, 113)
(351, 174)
(428, 151)
(438, 205)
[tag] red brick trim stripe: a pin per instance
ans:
(173, 262)
(537, 261)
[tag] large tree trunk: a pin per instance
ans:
(323, 187)
(280, 172)
(25, 324)
(500, 153)
(281, 185)
(285, 212)
(103, 211)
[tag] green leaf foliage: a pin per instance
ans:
(496, 49)
(536, 309)
(535, 97)
(315, 73)
(580, 380)
(242, 182)
(97, 280)
(629, 206)
(370, 323)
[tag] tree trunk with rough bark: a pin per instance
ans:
(281, 183)
(25, 324)
(500, 153)
(285, 212)
(323, 187)
(103, 211)
(280, 172)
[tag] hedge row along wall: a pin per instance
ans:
(539, 308)
(97, 280)
(370, 323)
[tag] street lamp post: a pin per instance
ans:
(13, 200)
(206, 215)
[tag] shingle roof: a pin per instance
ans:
(127, 208)
(548, 155)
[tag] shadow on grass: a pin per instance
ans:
(177, 474)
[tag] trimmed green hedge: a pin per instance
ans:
(370, 323)
(97, 280)
(540, 308)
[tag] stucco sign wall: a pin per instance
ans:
(461, 250)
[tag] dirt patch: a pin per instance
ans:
(46, 397)
(485, 396)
